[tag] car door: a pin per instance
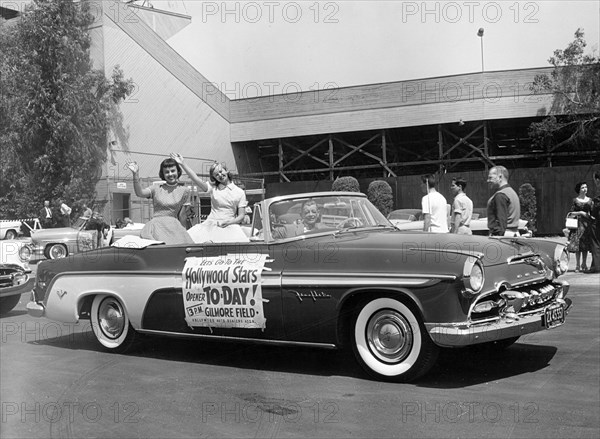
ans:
(237, 297)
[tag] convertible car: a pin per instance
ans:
(350, 281)
(15, 273)
(61, 242)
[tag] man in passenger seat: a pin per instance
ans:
(309, 221)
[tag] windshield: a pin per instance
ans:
(79, 223)
(405, 215)
(302, 216)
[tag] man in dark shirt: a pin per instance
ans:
(595, 226)
(46, 215)
(503, 208)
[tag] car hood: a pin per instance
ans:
(492, 251)
(60, 233)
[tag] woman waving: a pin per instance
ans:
(227, 205)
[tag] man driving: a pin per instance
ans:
(307, 223)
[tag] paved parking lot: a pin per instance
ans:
(56, 382)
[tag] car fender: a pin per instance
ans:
(68, 290)
(403, 293)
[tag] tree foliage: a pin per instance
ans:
(55, 108)
(379, 193)
(345, 184)
(574, 119)
(528, 202)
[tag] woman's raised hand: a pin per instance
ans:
(133, 167)
(177, 157)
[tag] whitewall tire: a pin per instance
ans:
(110, 324)
(390, 342)
(57, 251)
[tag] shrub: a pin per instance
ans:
(345, 184)
(528, 202)
(380, 194)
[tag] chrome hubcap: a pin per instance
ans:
(111, 318)
(390, 336)
(57, 252)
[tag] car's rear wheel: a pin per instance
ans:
(110, 324)
(390, 342)
(8, 303)
(10, 234)
(57, 251)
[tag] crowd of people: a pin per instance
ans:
(504, 212)
(503, 207)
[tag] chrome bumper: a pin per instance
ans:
(35, 309)
(38, 250)
(466, 334)
(18, 289)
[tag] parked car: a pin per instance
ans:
(15, 273)
(61, 242)
(11, 229)
(412, 219)
(400, 217)
(393, 297)
(131, 229)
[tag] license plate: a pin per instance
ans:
(554, 316)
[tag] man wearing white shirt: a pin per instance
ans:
(462, 208)
(65, 214)
(433, 204)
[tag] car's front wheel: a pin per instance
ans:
(110, 324)
(390, 342)
(57, 251)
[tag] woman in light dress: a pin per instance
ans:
(167, 198)
(227, 205)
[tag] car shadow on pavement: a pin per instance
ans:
(13, 313)
(301, 360)
(457, 368)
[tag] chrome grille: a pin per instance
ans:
(535, 297)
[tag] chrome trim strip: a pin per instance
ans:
(475, 254)
(240, 339)
(138, 273)
(330, 282)
(352, 277)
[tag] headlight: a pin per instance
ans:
(25, 253)
(561, 260)
(473, 276)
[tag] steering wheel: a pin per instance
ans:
(350, 223)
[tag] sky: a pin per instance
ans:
(251, 48)
(257, 48)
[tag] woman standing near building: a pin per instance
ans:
(580, 238)
(168, 199)
(227, 205)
